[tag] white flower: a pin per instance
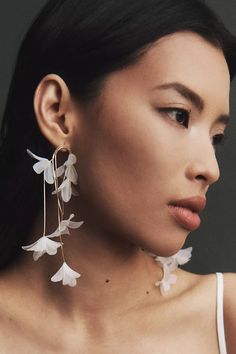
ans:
(71, 175)
(170, 264)
(43, 245)
(183, 255)
(44, 165)
(166, 281)
(71, 172)
(66, 274)
(66, 189)
(65, 225)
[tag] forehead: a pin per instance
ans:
(188, 58)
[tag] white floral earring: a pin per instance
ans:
(44, 244)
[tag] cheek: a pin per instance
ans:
(126, 173)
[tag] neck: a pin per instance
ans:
(116, 275)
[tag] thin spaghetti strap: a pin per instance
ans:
(220, 313)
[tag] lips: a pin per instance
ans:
(195, 204)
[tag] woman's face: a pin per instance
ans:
(135, 156)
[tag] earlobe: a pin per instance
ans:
(51, 106)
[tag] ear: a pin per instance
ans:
(54, 110)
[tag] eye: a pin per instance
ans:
(181, 115)
(219, 140)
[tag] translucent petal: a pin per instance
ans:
(70, 271)
(52, 248)
(54, 233)
(59, 188)
(65, 231)
(66, 191)
(40, 166)
(58, 233)
(163, 292)
(66, 274)
(66, 278)
(71, 173)
(34, 156)
(36, 255)
(71, 160)
(184, 255)
(166, 286)
(35, 246)
(75, 224)
(63, 184)
(60, 170)
(41, 245)
(172, 279)
(72, 282)
(48, 174)
(29, 247)
(58, 275)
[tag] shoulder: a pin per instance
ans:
(230, 310)
(229, 281)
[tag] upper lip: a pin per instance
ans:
(196, 203)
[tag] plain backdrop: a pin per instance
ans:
(214, 243)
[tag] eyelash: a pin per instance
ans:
(219, 138)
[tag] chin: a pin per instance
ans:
(163, 249)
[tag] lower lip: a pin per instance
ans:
(185, 217)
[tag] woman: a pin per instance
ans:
(133, 98)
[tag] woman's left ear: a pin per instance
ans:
(54, 110)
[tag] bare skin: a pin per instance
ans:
(132, 160)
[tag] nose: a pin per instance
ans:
(203, 165)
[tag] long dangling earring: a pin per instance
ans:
(45, 244)
(64, 192)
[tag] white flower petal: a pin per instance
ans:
(66, 274)
(41, 246)
(75, 224)
(71, 160)
(172, 279)
(51, 249)
(60, 170)
(72, 282)
(70, 271)
(71, 173)
(56, 233)
(183, 255)
(40, 166)
(58, 275)
(35, 156)
(48, 174)
(63, 185)
(66, 191)
(29, 247)
(71, 224)
(36, 255)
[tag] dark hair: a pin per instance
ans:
(82, 41)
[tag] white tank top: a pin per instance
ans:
(220, 313)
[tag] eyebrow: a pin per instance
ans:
(193, 97)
